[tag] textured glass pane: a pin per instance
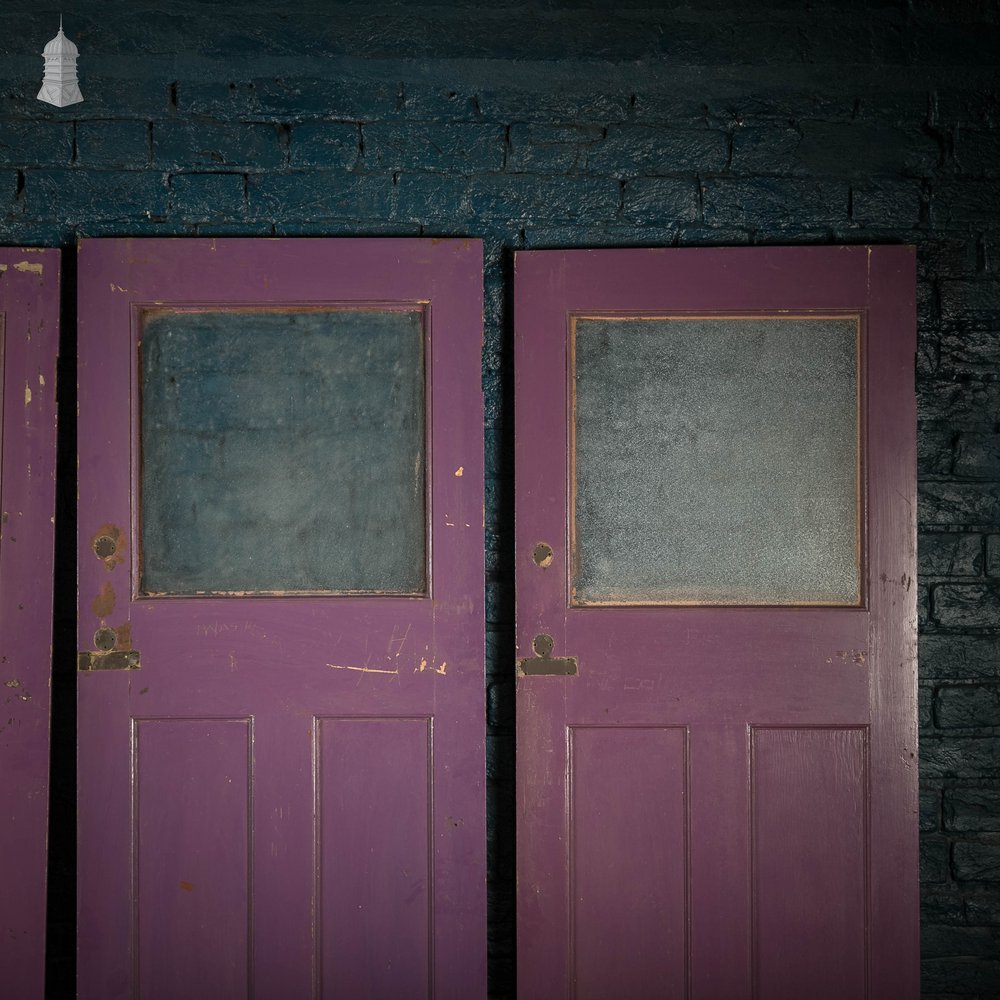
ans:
(283, 451)
(716, 461)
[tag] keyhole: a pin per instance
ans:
(105, 546)
(105, 638)
(542, 645)
(542, 555)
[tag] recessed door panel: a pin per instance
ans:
(280, 601)
(715, 536)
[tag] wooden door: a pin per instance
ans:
(29, 342)
(281, 619)
(717, 777)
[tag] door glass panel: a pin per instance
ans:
(283, 451)
(715, 460)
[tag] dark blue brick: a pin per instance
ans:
(74, 196)
(767, 150)
(864, 148)
(320, 196)
(36, 143)
(967, 605)
(463, 148)
(950, 554)
(984, 909)
(769, 203)
(978, 152)
(295, 96)
(935, 450)
(554, 103)
(969, 348)
(941, 905)
(972, 810)
(960, 504)
(925, 715)
(970, 105)
(430, 197)
(325, 145)
(970, 299)
(977, 456)
(954, 657)
(561, 235)
(640, 149)
(112, 144)
(968, 402)
(969, 706)
(960, 757)
(960, 978)
(346, 227)
(977, 862)
(558, 149)
(930, 809)
(993, 555)
(180, 145)
(141, 90)
(660, 200)
(895, 203)
(933, 858)
(522, 196)
(207, 197)
(940, 941)
(963, 202)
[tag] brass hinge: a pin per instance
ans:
(544, 663)
(115, 659)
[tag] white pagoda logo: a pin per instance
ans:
(59, 85)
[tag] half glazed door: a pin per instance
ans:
(29, 341)
(281, 619)
(715, 538)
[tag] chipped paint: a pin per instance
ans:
(27, 394)
(104, 603)
(362, 670)
(26, 267)
(459, 472)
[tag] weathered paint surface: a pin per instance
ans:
(29, 340)
(720, 802)
(288, 793)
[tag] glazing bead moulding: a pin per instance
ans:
(59, 85)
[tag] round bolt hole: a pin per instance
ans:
(105, 638)
(542, 555)
(105, 546)
(542, 645)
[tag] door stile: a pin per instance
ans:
(895, 907)
(29, 345)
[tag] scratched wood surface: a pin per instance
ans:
(789, 799)
(300, 776)
(29, 339)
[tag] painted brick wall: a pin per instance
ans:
(583, 123)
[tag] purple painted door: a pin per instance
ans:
(281, 760)
(29, 341)
(717, 778)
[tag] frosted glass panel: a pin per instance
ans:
(283, 451)
(716, 461)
